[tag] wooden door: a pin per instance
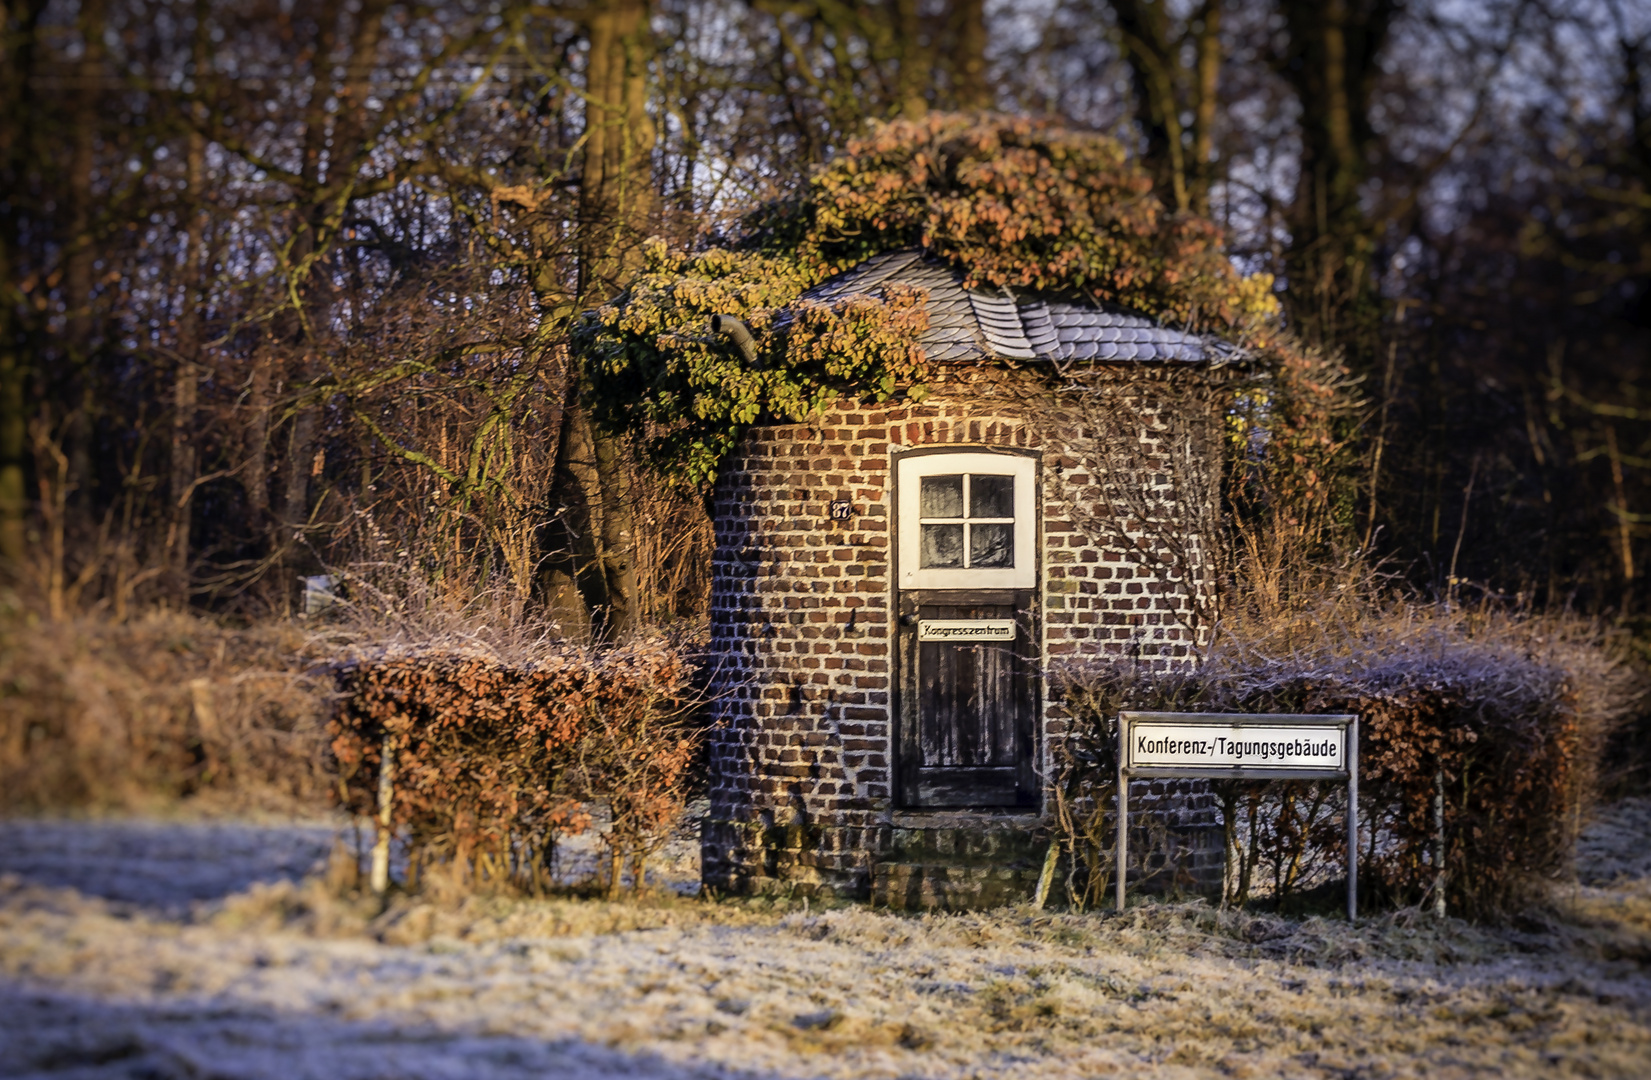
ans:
(968, 706)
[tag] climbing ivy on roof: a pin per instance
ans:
(1012, 202)
(655, 370)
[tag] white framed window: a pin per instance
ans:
(967, 521)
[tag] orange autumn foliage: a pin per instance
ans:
(1027, 204)
(494, 762)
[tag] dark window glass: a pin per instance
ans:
(942, 546)
(940, 497)
(991, 545)
(991, 496)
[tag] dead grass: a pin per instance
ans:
(99, 715)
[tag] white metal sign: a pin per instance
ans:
(1172, 744)
(1228, 746)
(966, 630)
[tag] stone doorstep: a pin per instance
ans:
(969, 845)
(907, 886)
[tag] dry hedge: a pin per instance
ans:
(491, 762)
(1510, 713)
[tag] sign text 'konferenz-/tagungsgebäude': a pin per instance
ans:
(1235, 746)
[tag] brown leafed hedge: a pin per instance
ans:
(493, 762)
(1512, 713)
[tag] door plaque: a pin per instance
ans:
(963, 630)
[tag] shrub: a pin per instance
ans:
(1510, 712)
(491, 762)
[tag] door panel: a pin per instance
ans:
(965, 694)
(967, 707)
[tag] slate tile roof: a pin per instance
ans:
(967, 324)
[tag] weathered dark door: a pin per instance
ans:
(968, 706)
(968, 656)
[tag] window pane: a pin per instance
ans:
(991, 545)
(940, 496)
(942, 545)
(992, 496)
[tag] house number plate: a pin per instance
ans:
(966, 630)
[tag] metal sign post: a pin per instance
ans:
(1238, 746)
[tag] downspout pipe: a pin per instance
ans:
(728, 326)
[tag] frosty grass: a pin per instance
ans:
(166, 949)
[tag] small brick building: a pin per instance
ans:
(890, 584)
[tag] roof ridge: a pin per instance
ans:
(998, 321)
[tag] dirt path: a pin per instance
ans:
(279, 980)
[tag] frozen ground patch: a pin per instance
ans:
(162, 865)
(284, 981)
(170, 866)
(61, 1037)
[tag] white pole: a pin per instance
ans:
(1123, 810)
(380, 874)
(1353, 820)
(1439, 842)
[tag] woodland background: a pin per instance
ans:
(288, 286)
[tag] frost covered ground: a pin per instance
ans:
(158, 950)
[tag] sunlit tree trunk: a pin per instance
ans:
(616, 208)
(616, 197)
(1210, 54)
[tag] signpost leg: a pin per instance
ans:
(1123, 816)
(1439, 842)
(1353, 820)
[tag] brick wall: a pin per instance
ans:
(802, 770)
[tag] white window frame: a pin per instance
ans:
(909, 472)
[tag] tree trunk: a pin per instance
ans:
(341, 141)
(301, 450)
(575, 585)
(970, 90)
(186, 379)
(13, 423)
(1331, 63)
(616, 208)
(1206, 98)
(255, 474)
(18, 20)
(1165, 89)
(80, 251)
(14, 376)
(616, 196)
(916, 71)
(618, 535)
(1154, 66)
